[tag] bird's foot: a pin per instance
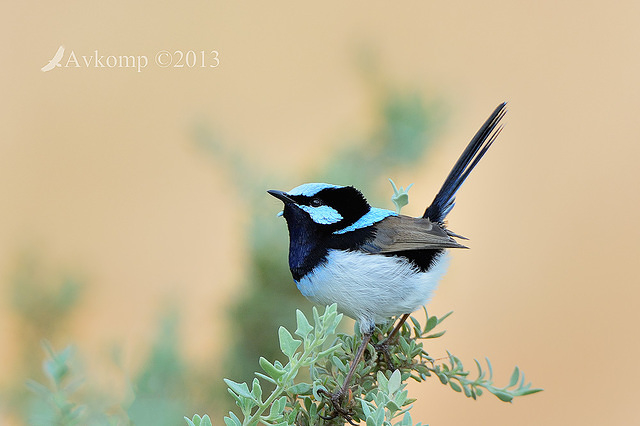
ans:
(383, 349)
(336, 398)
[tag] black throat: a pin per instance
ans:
(309, 243)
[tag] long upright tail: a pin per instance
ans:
(445, 199)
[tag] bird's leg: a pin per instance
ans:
(383, 347)
(337, 396)
(397, 328)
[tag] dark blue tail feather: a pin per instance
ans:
(445, 199)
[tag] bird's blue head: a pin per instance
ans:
(322, 207)
(316, 215)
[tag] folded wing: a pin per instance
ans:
(403, 233)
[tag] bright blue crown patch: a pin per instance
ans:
(311, 189)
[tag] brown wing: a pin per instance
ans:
(400, 233)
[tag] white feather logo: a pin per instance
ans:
(55, 61)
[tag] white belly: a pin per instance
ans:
(371, 288)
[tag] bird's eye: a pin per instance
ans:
(316, 202)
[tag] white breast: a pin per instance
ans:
(371, 287)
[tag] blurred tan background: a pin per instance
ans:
(99, 174)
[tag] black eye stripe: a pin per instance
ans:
(308, 201)
(347, 201)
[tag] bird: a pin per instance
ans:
(374, 263)
(55, 61)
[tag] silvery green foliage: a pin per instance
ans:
(387, 402)
(199, 421)
(284, 405)
(59, 407)
(400, 197)
(66, 398)
(377, 397)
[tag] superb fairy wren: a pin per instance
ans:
(373, 263)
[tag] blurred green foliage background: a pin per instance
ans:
(166, 387)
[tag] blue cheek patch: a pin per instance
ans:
(323, 215)
(374, 215)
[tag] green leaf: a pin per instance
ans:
(383, 382)
(300, 389)
(456, 363)
(339, 364)
(330, 320)
(239, 388)
(394, 382)
(234, 418)
(479, 367)
(407, 420)
(456, 387)
(277, 408)
(444, 317)
(392, 406)
(432, 322)
(503, 396)
(379, 416)
(443, 378)
(304, 328)
(206, 421)
(404, 345)
(313, 411)
(490, 368)
(329, 350)
(415, 322)
(271, 369)
(265, 377)
(514, 377)
(400, 196)
(256, 390)
(435, 335)
(316, 318)
(288, 344)
(468, 392)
